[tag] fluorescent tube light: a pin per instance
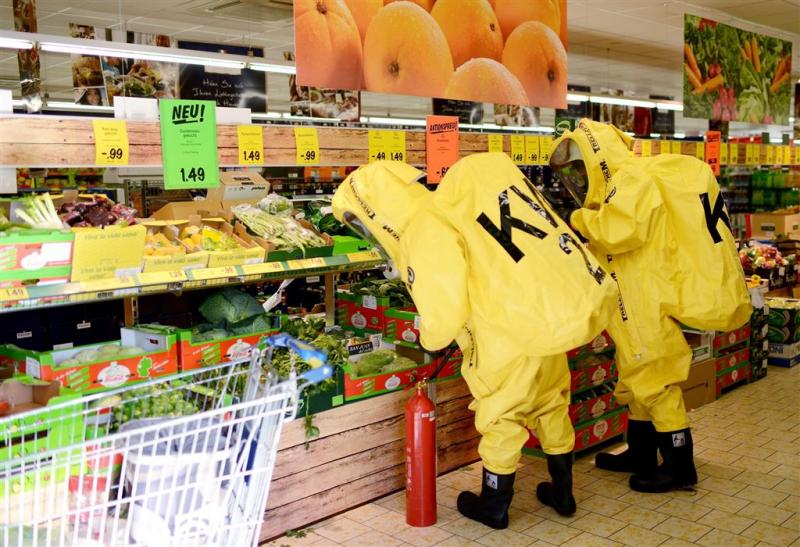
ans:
(621, 101)
(670, 105)
(574, 97)
(12, 42)
(679, 135)
(76, 107)
(273, 68)
(266, 115)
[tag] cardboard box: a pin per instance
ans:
(158, 357)
(732, 360)
(348, 244)
(275, 255)
(700, 388)
(246, 253)
(758, 369)
(322, 400)
(361, 387)
(401, 326)
(590, 433)
(737, 375)
(362, 313)
(236, 187)
(784, 355)
(700, 341)
(723, 341)
(104, 253)
(43, 256)
(592, 404)
(772, 225)
(599, 372)
(193, 354)
(182, 260)
(601, 345)
(181, 210)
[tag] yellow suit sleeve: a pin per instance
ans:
(434, 267)
(622, 223)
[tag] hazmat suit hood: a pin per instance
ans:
(598, 148)
(378, 201)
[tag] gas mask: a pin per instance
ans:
(570, 170)
(355, 224)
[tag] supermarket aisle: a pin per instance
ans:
(748, 457)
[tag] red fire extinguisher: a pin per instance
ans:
(420, 459)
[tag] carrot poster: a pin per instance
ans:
(498, 51)
(731, 74)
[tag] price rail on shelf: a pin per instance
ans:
(34, 297)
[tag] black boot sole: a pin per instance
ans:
(544, 493)
(468, 505)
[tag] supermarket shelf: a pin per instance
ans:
(36, 297)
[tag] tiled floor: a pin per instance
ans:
(747, 449)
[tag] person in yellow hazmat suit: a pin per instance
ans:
(660, 228)
(489, 264)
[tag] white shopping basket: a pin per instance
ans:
(111, 469)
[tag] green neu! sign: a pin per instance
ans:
(189, 144)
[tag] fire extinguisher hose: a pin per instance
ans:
(446, 354)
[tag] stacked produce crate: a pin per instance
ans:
(759, 330)
(731, 353)
(593, 410)
(783, 334)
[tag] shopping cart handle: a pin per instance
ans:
(317, 375)
(307, 352)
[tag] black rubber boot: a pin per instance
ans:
(676, 472)
(491, 507)
(558, 493)
(641, 456)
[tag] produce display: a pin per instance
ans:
(275, 204)
(283, 231)
(230, 312)
(98, 211)
(381, 361)
(320, 214)
(157, 244)
(39, 213)
(206, 238)
(151, 402)
(106, 352)
(763, 256)
(393, 289)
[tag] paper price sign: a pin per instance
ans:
(647, 149)
(700, 151)
(779, 155)
(110, 142)
(532, 149)
(677, 147)
(251, 144)
(307, 143)
(495, 143)
(387, 145)
(787, 155)
(518, 149)
(770, 155)
(733, 153)
(441, 145)
(544, 150)
(723, 153)
(189, 144)
(13, 294)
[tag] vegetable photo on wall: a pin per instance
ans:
(731, 74)
(498, 51)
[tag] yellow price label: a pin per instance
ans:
(723, 153)
(110, 142)
(700, 151)
(11, 294)
(110, 284)
(307, 143)
(262, 268)
(677, 147)
(544, 149)
(161, 278)
(770, 160)
(206, 274)
(518, 149)
(387, 145)
(750, 154)
(251, 144)
(364, 256)
(495, 143)
(647, 149)
(779, 155)
(733, 153)
(787, 155)
(532, 149)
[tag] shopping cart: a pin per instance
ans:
(110, 469)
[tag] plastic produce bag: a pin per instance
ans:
(275, 204)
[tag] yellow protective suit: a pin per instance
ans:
(659, 225)
(489, 264)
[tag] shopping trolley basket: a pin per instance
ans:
(179, 461)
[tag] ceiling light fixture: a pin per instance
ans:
(396, 121)
(576, 98)
(621, 101)
(76, 107)
(670, 105)
(273, 68)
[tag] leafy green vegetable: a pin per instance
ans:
(394, 289)
(381, 361)
(229, 306)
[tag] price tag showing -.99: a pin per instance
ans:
(531, 149)
(110, 142)
(307, 144)
(251, 144)
(518, 149)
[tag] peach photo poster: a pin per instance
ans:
(496, 51)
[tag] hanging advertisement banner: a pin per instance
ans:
(475, 50)
(189, 144)
(731, 74)
(28, 59)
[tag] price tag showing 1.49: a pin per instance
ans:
(307, 144)
(251, 144)
(518, 149)
(387, 145)
(110, 142)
